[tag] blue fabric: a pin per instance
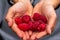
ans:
(8, 34)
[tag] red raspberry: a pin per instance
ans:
(42, 27)
(36, 16)
(23, 26)
(43, 18)
(30, 25)
(35, 25)
(26, 18)
(18, 20)
(41, 21)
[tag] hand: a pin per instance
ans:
(47, 10)
(19, 9)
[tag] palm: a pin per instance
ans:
(19, 9)
(20, 12)
(49, 12)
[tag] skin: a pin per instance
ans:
(17, 11)
(15, 1)
(45, 7)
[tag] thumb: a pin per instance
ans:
(29, 12)
(37, 8)
(49, 30)
(9, 17)
(10, 21)
(51, 24)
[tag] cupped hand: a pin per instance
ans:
(47, 10)
(17, 10)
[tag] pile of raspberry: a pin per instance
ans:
(36, 23)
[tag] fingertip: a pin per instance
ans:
(24, 37)
(9, 24)
(19, 35)
(33, 37)
(49, 31)
(17, 30)
(27, 35)
(41, 34)
(30, 33)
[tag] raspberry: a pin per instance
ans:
(30, 25)
(25, 23)
(18, 20)
(42, 27)
(35, 25)
(23, 26)
(43, 18)
(26, 18)
(41, 21)
(36, 17)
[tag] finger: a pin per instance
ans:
(18, 15)
(17, 30)
(24, 36)
(51, 24)
(33, 37)
(30, 32)
(23, 12)
(9, 17)
(29, 10)
(27, 35)
(37, 8)
(48, 29)
(20, 9)
(49, 11)
(41, 34)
